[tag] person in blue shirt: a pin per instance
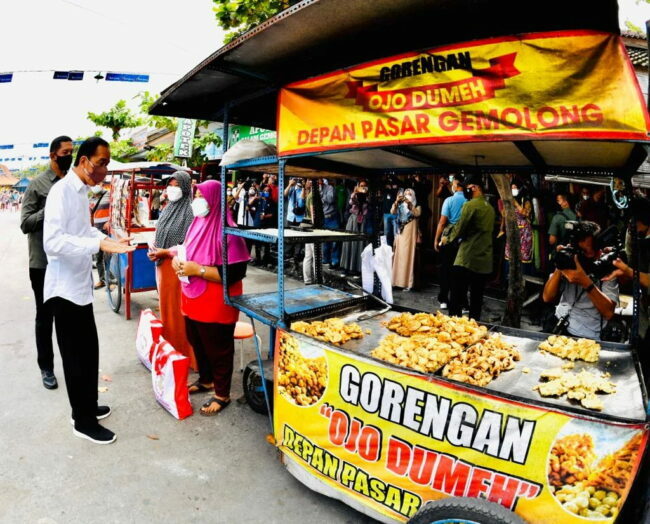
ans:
(263, 211)
(449, 217)
(295, 196)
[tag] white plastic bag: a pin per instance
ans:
(383, 263)
(149, 333)
(169, 370)
(367, 269)
(246, 149)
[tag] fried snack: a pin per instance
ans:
(588, 501)
(483, 362)
(332, 330)
(615, 471)
(581, 386)
(572, 349)
(571, 459)
(300, 379)
(425, 353)
(462, 330)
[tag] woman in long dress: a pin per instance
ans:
(408, 213)
(359, 215)
(174, 221)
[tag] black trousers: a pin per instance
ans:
(447, 257)
(214, 349)
(44, 321)
(462, 280)
(76, 334)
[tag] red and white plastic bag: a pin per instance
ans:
(149, 333)
(169, 373)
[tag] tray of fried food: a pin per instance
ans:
(424, 353)
(581, 386)
(463, 330)
(572, 348)
(333, 330)
(571, 459)
(483, 362)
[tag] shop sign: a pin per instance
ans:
(562, 85)
(238, 133)
(183, 142)
(394, 441)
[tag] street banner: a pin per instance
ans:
(393, 440)
(238, 133)
(562, 85)
(183, 142)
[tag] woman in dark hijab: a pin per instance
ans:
(172, 226)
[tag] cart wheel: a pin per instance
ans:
(464, 510)
(252, 382)
(113, 281)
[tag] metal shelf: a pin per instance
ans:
(297, 236)
(299, 303)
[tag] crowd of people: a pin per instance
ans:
(465, 244)
(10, 199)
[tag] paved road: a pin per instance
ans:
(218, 470)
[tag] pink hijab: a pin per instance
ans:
(203, 239)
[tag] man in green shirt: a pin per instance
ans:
(557, 231)
(473, 263)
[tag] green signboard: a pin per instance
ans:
(238, 133)
(184, 137)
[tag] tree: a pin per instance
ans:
(159, 122)
(515, 299)
(161, 153)
(123, 150)
(200, 143)
(243, 15)
(116, 118)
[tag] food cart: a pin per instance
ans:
(400, 438)
(132, 185)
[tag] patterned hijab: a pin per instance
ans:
(176, 218)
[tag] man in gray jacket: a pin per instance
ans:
(31, 223)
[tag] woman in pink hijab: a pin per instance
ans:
(209, 322)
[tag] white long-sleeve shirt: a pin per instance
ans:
(69, 242)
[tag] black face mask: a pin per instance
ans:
(64, 163)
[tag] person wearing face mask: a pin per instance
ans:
(331, 250)
(263, 218)
(173, 223)
(69, 241)
(209, 321)
(31, 223)
(474, 260)
(408, 212)
(359, 208)
(523, 214)
(100, 212)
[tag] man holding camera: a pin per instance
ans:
(586, 298)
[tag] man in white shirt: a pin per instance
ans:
(70, 241)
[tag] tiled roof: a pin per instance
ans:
(638, 56)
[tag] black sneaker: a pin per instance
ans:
(100, 413)
(97, 434)
(49, 380)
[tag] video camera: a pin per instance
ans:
(608, 240)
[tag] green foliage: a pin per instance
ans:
(122, 150)
(161, 153)
(159, 122)
(116, 118)
(243, 15)
(635, 28)
(201, 142)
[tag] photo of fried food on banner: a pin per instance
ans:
(302, 379)
(587, 483)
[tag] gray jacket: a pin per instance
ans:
(32, 214)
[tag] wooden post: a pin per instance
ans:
(515, 299)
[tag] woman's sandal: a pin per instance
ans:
(197, 387)
(223, 404)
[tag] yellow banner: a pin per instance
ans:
(394, 441)
(573, 85)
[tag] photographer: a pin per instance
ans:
(585, 297)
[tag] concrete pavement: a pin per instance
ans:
(218, 470)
